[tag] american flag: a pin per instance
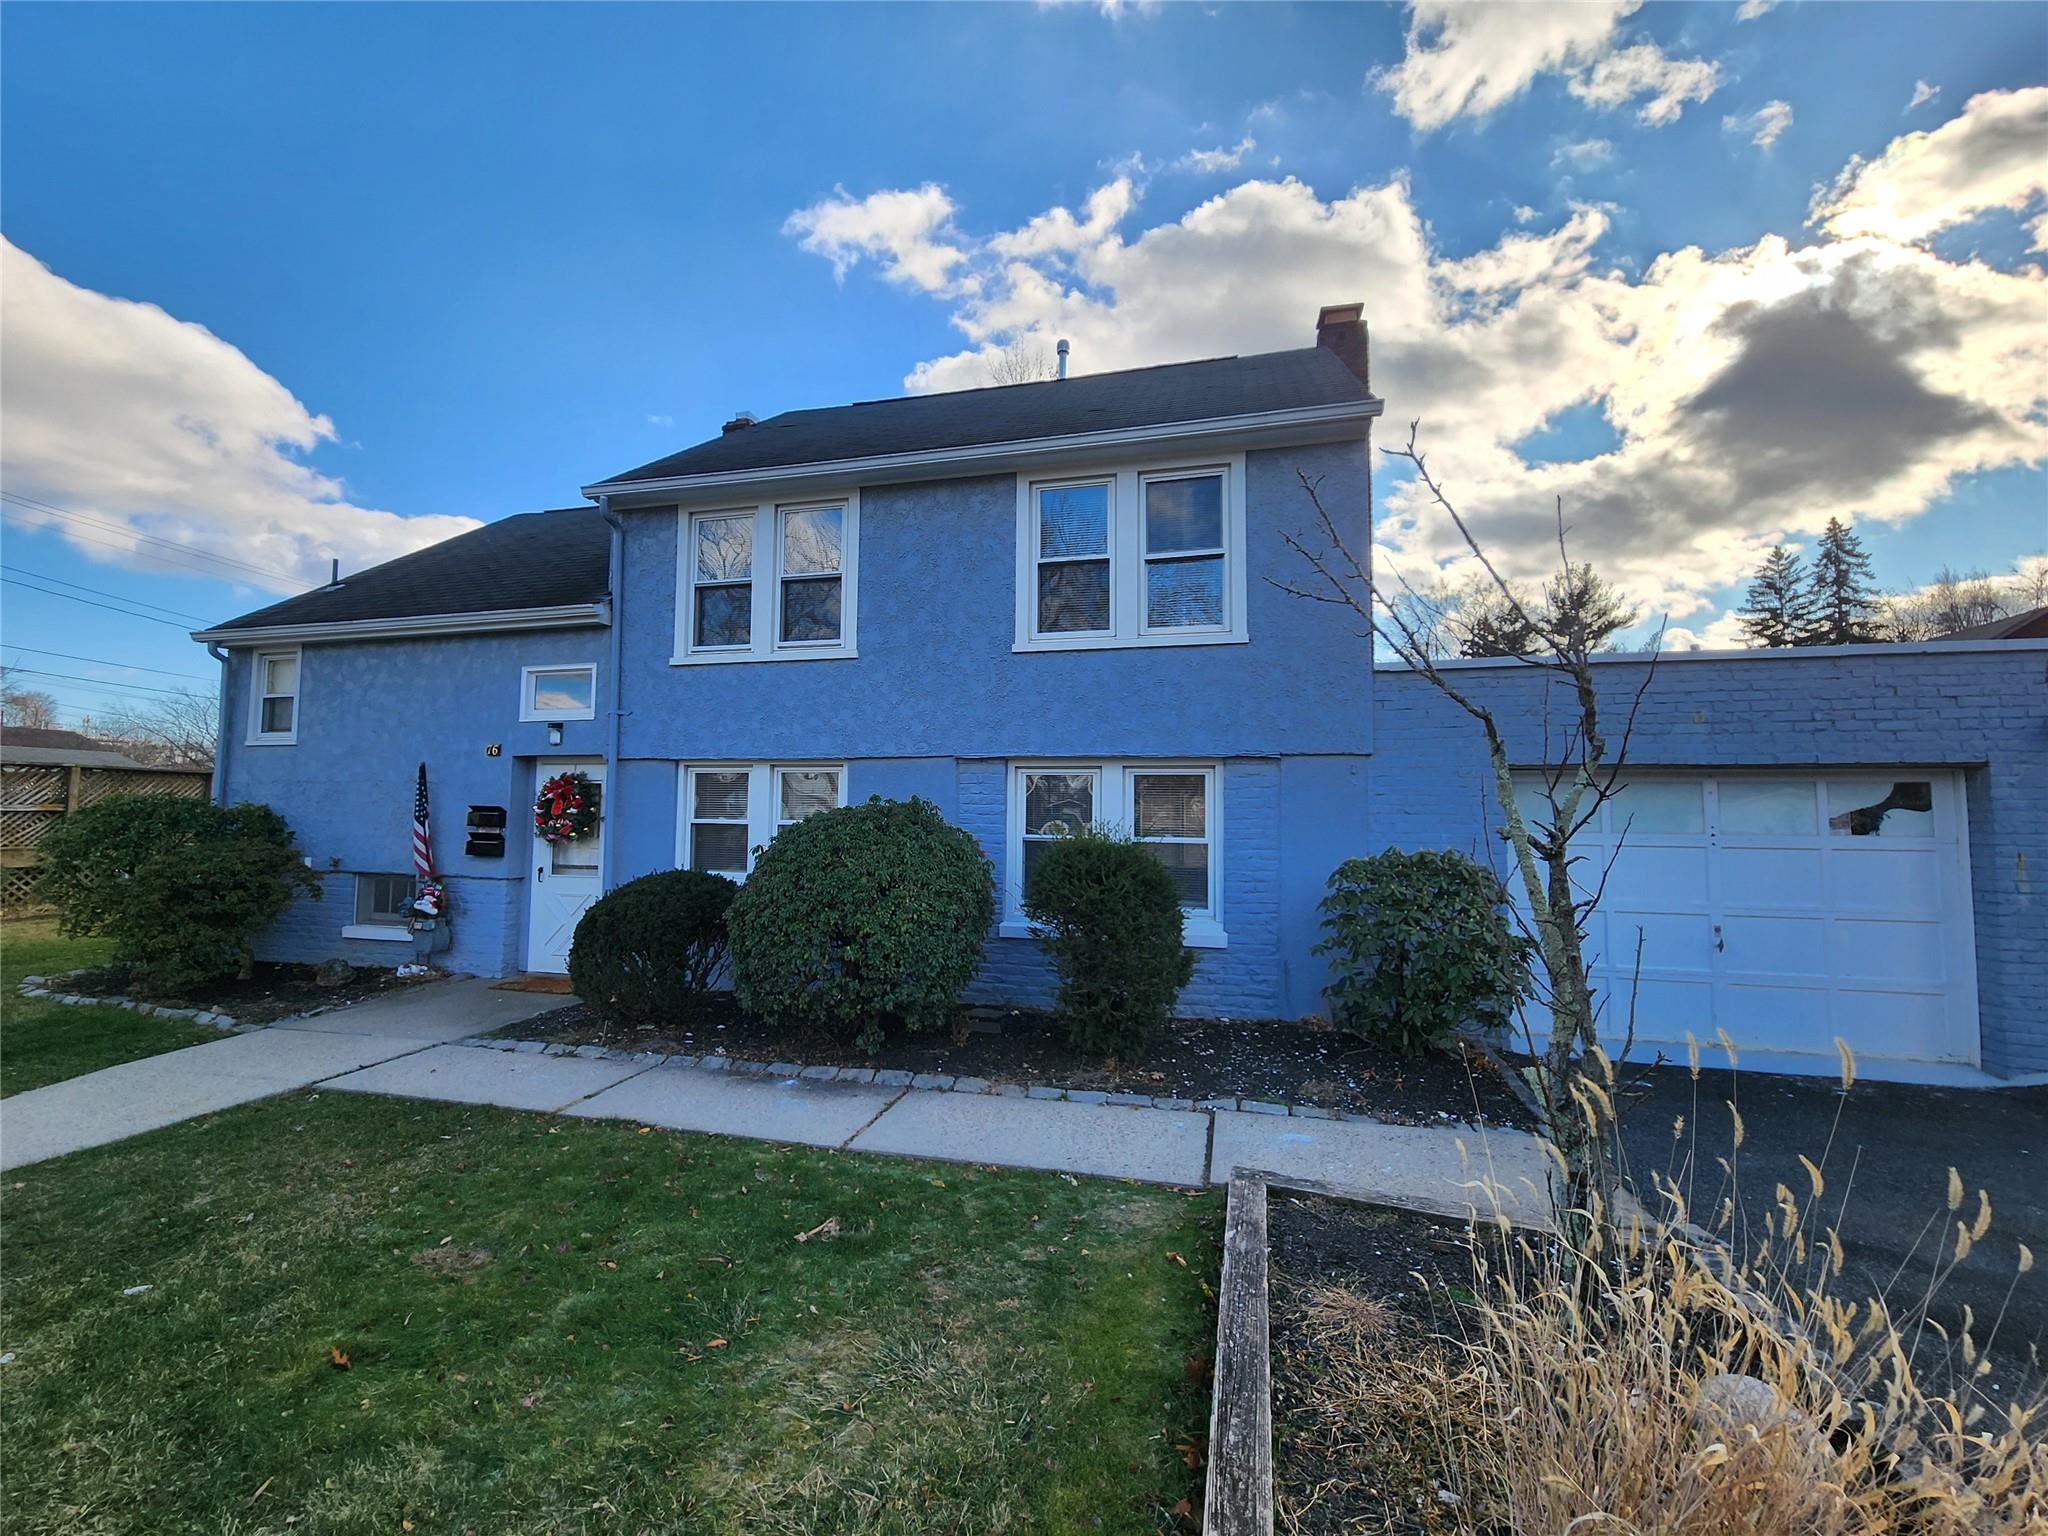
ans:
(422, 838)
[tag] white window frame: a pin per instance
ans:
(527, 675)
(1128, 559)
(259, 667)
(764, 803)
(1115, 806)
(386, 931)
(764, 641)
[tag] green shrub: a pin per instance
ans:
(1110, 918)
(646, 954)
(1420, 947)
(861, 917)
(182, 887)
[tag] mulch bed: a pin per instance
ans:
(273, 990)
(1358, 1297)
(1196, 1059)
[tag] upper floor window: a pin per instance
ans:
(274, 699)
(1132, 557)
(767, 583)
(730, 811)
(558, 693)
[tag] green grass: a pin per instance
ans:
(45, 1042)
(977, 1352)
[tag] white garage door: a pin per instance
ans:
(1787, 910)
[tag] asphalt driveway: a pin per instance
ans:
(1891, 1156)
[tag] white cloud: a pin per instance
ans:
(1749, 10)
(1752, 393)
(907, 232)
(1765, 126)
(1209, 161)
(1524, 214)
(1467, 58)
(1922, 94)
(1585, 155)
(1989, 156)
(661, 421)
(1115, 10)
(125, 414)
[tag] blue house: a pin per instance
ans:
(1044, 605)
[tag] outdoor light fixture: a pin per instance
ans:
(554, 733)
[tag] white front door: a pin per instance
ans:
(1788, 909)
(565, 879)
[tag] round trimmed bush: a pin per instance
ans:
(647, 954)
(862, 917)
(1110, 918)
(1420, 947)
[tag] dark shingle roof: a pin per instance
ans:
(1095, 402)
(2031, 625)
(532, 560)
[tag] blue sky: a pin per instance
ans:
(471, 257)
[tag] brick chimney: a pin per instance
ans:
(1341, 328)
(741, 420)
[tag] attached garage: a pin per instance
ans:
(1787, 910)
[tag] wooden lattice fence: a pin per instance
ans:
(34, 797)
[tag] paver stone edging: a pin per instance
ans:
(40, 986)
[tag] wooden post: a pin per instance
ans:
(1239, 1500)
(74, 789)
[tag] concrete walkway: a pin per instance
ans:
(400, 1047)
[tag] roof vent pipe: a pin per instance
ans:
(334, 573)
(1062, 350)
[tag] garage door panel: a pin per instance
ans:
(1775, 879)
(1908, 953)
(1672, 941)
(1665, 1011)
(1657, 878)
(1777, 1017)
(1904, 1024)
(1891, 880)
(1775, 946)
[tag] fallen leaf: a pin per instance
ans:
(1200, 1371)
(824, 1231)
(1183, 1263)
(715, 1344)
(336, 1358)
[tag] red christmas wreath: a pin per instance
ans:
(565, 809)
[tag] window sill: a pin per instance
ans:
(741, 658)
(1200, 932)
(271, 741)
(1124, 642)
(380, 933)
(553, 719)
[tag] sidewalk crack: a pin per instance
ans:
(894, 1100)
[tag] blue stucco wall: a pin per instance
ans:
(937, 676)
(369, 713)
(1981, 708)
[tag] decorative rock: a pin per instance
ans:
(1182, 1104)
(1310, 1112)
(715, 1063)
(32, 981)
(1218, 1104)
(892, 1077)
(334, 973)
(1011, 1091)
(593, 1052)
(820, 1074)
(1135, 1100)
(1261, 1107)
(677, 1061)
(1040, 1091)
(970, 1085)
(856, 1074)
(1086, 1096)
(784, 1069)
(757, 1068)
(931, 1080)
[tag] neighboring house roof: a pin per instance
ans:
(34, 745)
(2031, 625)
(1217, 389)
(531, 563)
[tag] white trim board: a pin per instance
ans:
(565, 616)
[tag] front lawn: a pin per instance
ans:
(43, 1041)
(383, 1316)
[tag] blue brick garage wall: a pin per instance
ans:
(1981, 708)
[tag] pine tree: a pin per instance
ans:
(1579, 605)
(1777, 610)
(1843, 601)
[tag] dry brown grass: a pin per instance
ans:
(1640, 1377)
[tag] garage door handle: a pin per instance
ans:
(1720, 944)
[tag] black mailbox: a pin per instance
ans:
(487, 817)
(486, 832)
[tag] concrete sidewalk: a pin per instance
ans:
(145, 1095)
(401, 1046)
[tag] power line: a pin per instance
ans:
(130, 613)
(101, 661)
(133, 602)
(150, 538)
(98, 682)
(176, 553)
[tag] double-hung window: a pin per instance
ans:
(773, 582)
(1131, 557)
(274, 700)
(731, 810)
(1172, 808)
